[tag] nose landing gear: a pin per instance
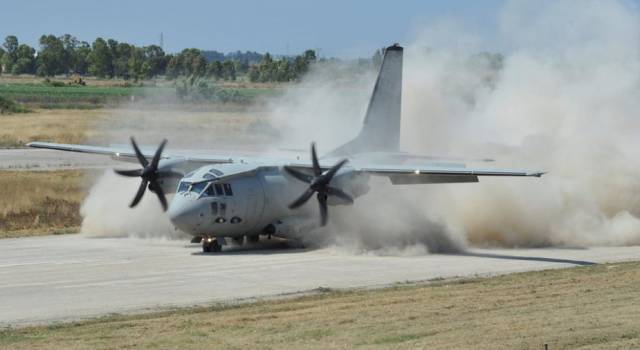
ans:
(211, 245)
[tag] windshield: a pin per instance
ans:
(197, 188)
(183, 186)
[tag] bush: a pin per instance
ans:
(199, 89)
(53, 83)
(8, 106)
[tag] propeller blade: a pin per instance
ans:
(332, 191)
(129, 173)
(139, 194)
(160, 193)
(302, 199)
(298, 174)
(332, 172)
(317, 171)
(158, 155)
(322, 200)
(139, 154)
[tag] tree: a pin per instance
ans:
(228, 71)
(138, 67)
(80, 58)
(11, 44)
(100, 64)
(10, 56)
(214, 70)
(173, 66)
(25, 62)
(52, 57)
(242, 65)
(1, 55)
(193, 62)
(156, 60)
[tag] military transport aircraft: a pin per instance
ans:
(217, 197)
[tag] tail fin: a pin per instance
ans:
(381, 129)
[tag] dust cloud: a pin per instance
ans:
(106, 213)
(565, 100)
(563, 97)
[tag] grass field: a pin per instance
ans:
(37, 94)
(64, 126)
(591, 307)
(38, 203)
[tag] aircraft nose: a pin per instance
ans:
(186, 214)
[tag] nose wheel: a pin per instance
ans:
(211, 245)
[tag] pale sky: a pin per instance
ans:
(338, 28)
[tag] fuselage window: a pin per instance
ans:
(227, 190)
(219, 191)
(183, 186)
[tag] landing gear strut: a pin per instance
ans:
(210, 245)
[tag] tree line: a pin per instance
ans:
(66, 55)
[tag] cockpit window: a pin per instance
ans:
(183, 186)
(208, 176)
(198, 187)
(217, 190)
(209, 191)
(216, 172)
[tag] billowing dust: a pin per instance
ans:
(564, 98)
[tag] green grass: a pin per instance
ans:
(86, 97)
(43, 95)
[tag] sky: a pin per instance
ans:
(344, 29)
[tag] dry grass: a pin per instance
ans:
(43, 202)
(586, 307)
(64, 126)
(100, 126)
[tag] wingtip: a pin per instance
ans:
(538, 174)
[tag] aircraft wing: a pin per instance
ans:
(415, 174)
(125, 152)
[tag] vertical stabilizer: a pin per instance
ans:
(381, 129)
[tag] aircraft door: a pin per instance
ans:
(255, 206)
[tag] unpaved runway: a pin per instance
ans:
(70, 277)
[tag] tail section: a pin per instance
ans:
(381, 129)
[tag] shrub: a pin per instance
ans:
(8, 106)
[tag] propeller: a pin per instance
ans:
(149, 174)
(319, 183)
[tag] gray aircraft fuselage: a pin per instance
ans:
(247, 205)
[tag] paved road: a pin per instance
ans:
(70, 277)
(42, 159)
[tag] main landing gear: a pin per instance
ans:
(211, 245)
